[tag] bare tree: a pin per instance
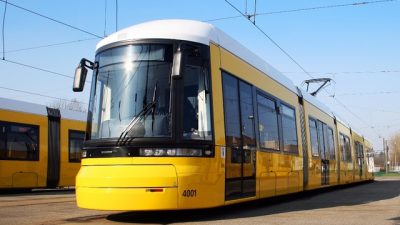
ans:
(379, 160)
(394, 151)
(72, 104)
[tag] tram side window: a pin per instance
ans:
(342, 148)
(345, 148)
(232, 112)
(247, 116)
(247, 120)
(19, 141)
(76, 139)
(357, 147)
(197, 104)
(348, 149)
(239, 119)
(331, 144)
(313, 137)
(232, 117)
(3, 141)
(289, 130)
(321, 139)
(267, 123)
(359, 150)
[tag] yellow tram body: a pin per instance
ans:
(27, 167)
(114, 176)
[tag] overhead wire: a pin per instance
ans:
(51, 19)
(3, 29)
(327, 7)
(293, 60)
(383, 126)
(50, 45)
(36, 47)
(39, 69)
(349, 72)
(41, 95)
(375, 109)
(351, 112)
(267, 36)
(305, 9)
(366, 93)
(105, 17)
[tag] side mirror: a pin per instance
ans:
(79, 79)
(177, 64)
(80, 75)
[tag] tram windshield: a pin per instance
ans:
(132, 95)
(132, 89)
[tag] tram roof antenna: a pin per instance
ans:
(324, 81)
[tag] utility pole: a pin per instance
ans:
(386, 155)
(395, 156)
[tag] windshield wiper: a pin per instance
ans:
(153, 110)
(126, 135)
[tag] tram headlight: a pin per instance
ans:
(159, 152)
(189, 152)
(171, 152)
(146, 152)
(208, 152)
(84, 153)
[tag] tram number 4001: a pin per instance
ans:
(189, 193)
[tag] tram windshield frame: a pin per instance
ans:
(135, 99)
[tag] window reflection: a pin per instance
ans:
(314, 137)
(289, 130)
(196, 104)
(19, 141)
(129, 78)
(76, 139)
(267, 123)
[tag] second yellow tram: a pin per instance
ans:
(40, 147)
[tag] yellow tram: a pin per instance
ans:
(182, 116)
(39, 146)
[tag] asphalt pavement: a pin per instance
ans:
(368, 203)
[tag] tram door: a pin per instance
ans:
(360, 158)
(324, 148)
(240, 139)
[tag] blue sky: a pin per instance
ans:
(351, 44)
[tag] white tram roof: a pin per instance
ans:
(195, 31)
(33, 108)
(205, 33)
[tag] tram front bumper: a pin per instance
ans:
(127, 187)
